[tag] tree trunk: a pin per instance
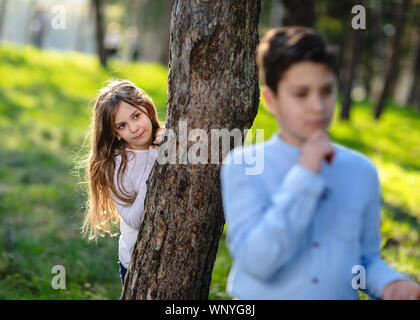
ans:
(340, 10)
(367, 57)
(99, 25)
(299, 12)
(378, 48)
(414, 95)
(3, 7)
(164, 33)
(352, 63)
(212, 84)
(391, 67)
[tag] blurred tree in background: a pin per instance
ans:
(299, 12)
(380, 63)
(3, 6)
(391, 68)
(98, 9)
(414, 96)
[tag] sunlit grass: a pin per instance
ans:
(46, 101)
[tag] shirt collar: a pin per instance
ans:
(286, 149)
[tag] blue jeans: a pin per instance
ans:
(123, 271)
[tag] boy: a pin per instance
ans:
(308, 226)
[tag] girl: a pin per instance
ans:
(125, 136)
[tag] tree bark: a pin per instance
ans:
(212, 84)
(352, 63)
(99, 25)
(391, 68)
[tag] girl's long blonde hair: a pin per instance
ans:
(101, 214)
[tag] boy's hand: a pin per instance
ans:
(401, 290)
(158, 139)
(316, 149)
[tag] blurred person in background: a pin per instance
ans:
(112, 39)
(38, 26)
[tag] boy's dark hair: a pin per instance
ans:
(282, 47)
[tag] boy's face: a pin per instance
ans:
(304, 101)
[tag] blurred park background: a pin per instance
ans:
(50, 74)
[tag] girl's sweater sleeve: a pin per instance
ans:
(264, 238)
(130, 213)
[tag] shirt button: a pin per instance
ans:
(316, 244)
(314, 280)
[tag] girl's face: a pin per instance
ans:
(134, 126)
(304, 102)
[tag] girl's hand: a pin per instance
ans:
(158, 139)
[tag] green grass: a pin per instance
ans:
(45, 110)
(45, 103)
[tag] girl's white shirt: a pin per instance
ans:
(139, 165)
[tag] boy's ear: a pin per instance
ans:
(269, 98)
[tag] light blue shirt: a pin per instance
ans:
(295, 234)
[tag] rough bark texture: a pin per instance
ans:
(213, 84)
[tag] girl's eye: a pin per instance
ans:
(137, 115)
(121, 126)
